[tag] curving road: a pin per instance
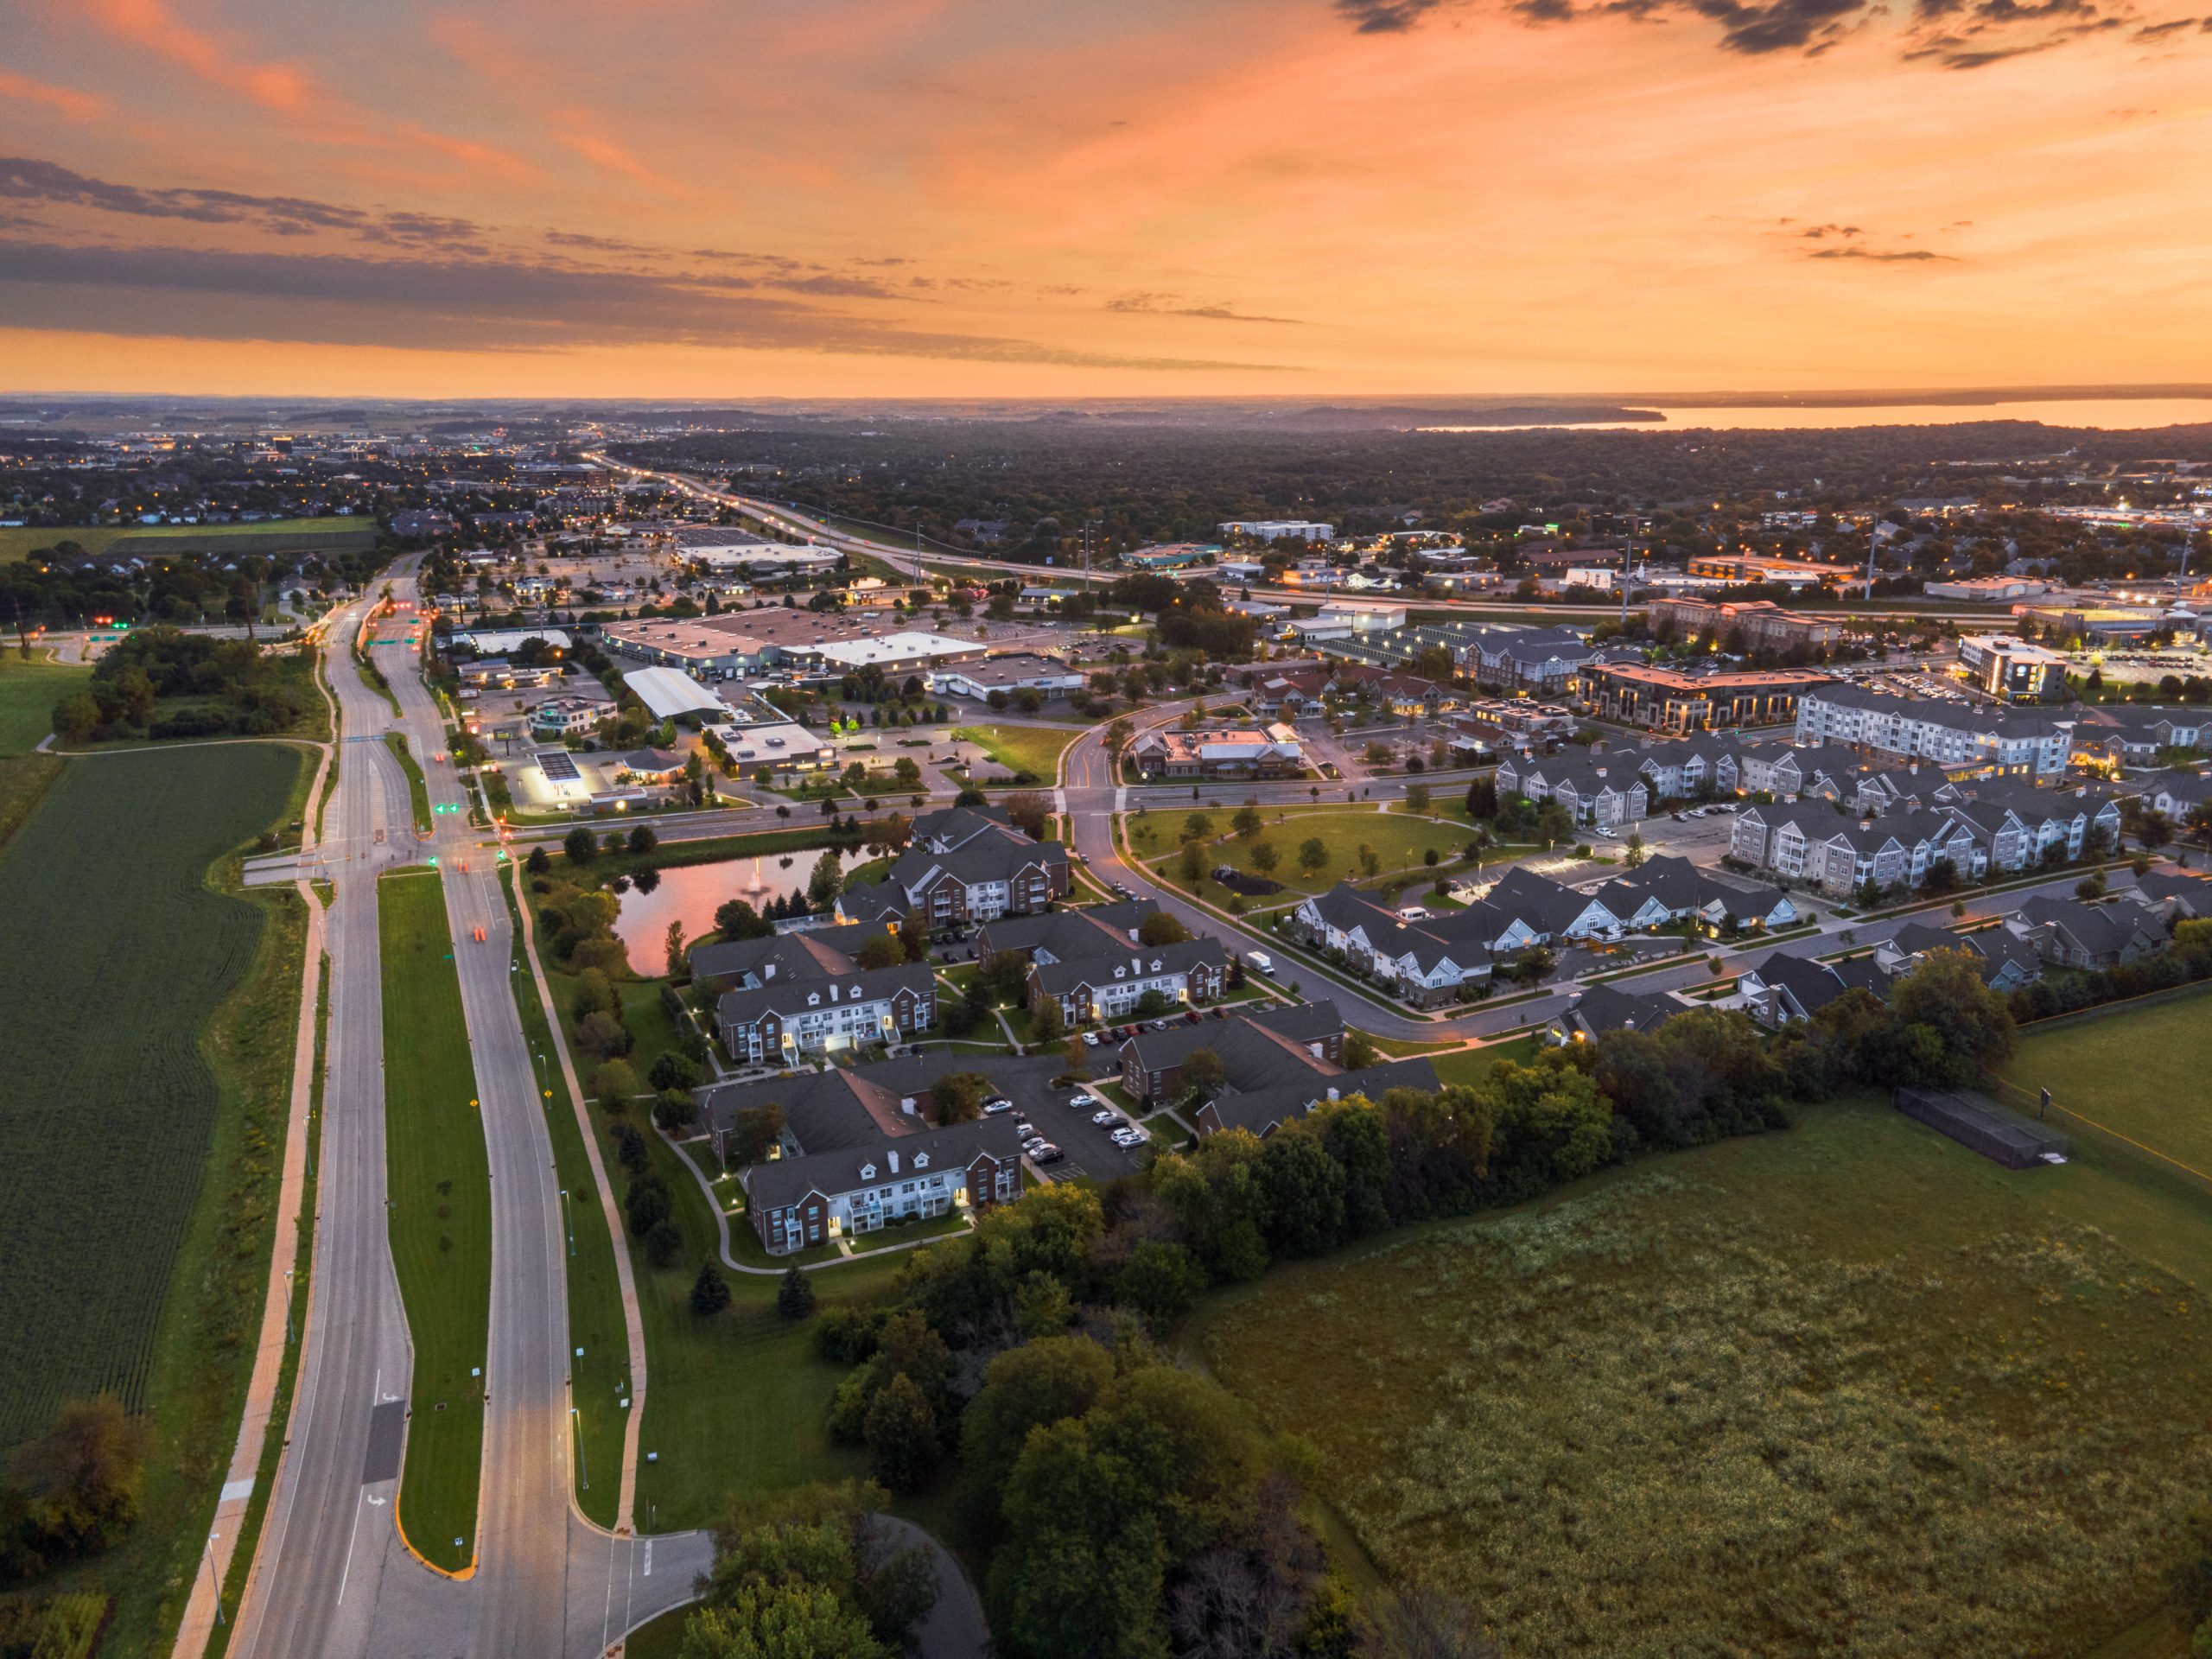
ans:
(333, 1578)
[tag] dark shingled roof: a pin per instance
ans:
(786, 1180)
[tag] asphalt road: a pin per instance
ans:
(333, 1578)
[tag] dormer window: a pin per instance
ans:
(813, 999)
(1155, 965)
(867, 1172)
(1121, 973)
(921, 1161)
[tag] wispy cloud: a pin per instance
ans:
(1169, 305)
(479, 304)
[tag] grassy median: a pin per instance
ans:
(1035, 749)
(599, 1343)
(440, 1189)
(418, 790)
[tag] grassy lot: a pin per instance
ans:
(24, 779)
(19, 540)
(1720, 1403)
(1021, 748)
(1471, 1065)
(1397, 841)
(29, 691)
(163, 1307)
(418, 788)
(441, 1215)
(599, 1373)
(2140, 1073)
(1402, 1048)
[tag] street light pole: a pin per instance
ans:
(288, 1337)
(208, 1555)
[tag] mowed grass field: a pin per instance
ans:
(2145, 1072)
(1398, 841)
(118, 953)
(1021, 748)
(440, 1184)
(17, 540)
(1848, 1390)
(29, 691)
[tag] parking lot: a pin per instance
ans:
(1027, 1080)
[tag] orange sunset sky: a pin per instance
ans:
(1029, 197)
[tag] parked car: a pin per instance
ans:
(1091, 1040)
(1047, 1153)
(1193, 1016)
(1221, 1013)
(993, 1107)
(1130, 1137)
(1103, 1118)
(1079, 1102)
(1260, 961)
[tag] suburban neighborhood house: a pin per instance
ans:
(1606, 791)
(966, 864)
(1262, 1111)
(1092, 963)
(780, 1022)
(1221, 751)
(796, 1203)
(1257, 1050)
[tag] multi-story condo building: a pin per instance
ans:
(2008, 745)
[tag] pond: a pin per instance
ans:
(691, 893)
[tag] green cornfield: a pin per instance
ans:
(113, 953)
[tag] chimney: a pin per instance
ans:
(894, 1159)
(1333, 1094)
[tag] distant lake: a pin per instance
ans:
(2113, 414)
(691, 893)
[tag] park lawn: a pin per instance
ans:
(2140, 1071)
(1721, 1402)
(137, 932)
(441, 1215)
(1398, 841)
(1035, 749)
(29, 691)
(599, 1344)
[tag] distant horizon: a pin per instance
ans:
(1835, 398)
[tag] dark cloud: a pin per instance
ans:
(23, 179)
(1878, 255)
(505, 303)
(1165, 305)
(1818, 231)
(1950, 33)
(1386, 16)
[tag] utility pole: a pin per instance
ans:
(1873, 541)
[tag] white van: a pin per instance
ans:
(1260, 961)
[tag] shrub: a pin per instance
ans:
(663, 1242)
(709, 1292)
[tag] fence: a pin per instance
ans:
(2123, 1154)
(1976, 1124)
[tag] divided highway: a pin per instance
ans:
(334, 1580)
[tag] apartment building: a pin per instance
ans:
(1951, 734)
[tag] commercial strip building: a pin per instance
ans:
(2011, 668)
(668, 692)
(1221, 751)
(1276, 530)
(1753, 567)
(894, 653)
(1015, 672)
(1764, 625)
(2092, 624)
(1668, 700)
